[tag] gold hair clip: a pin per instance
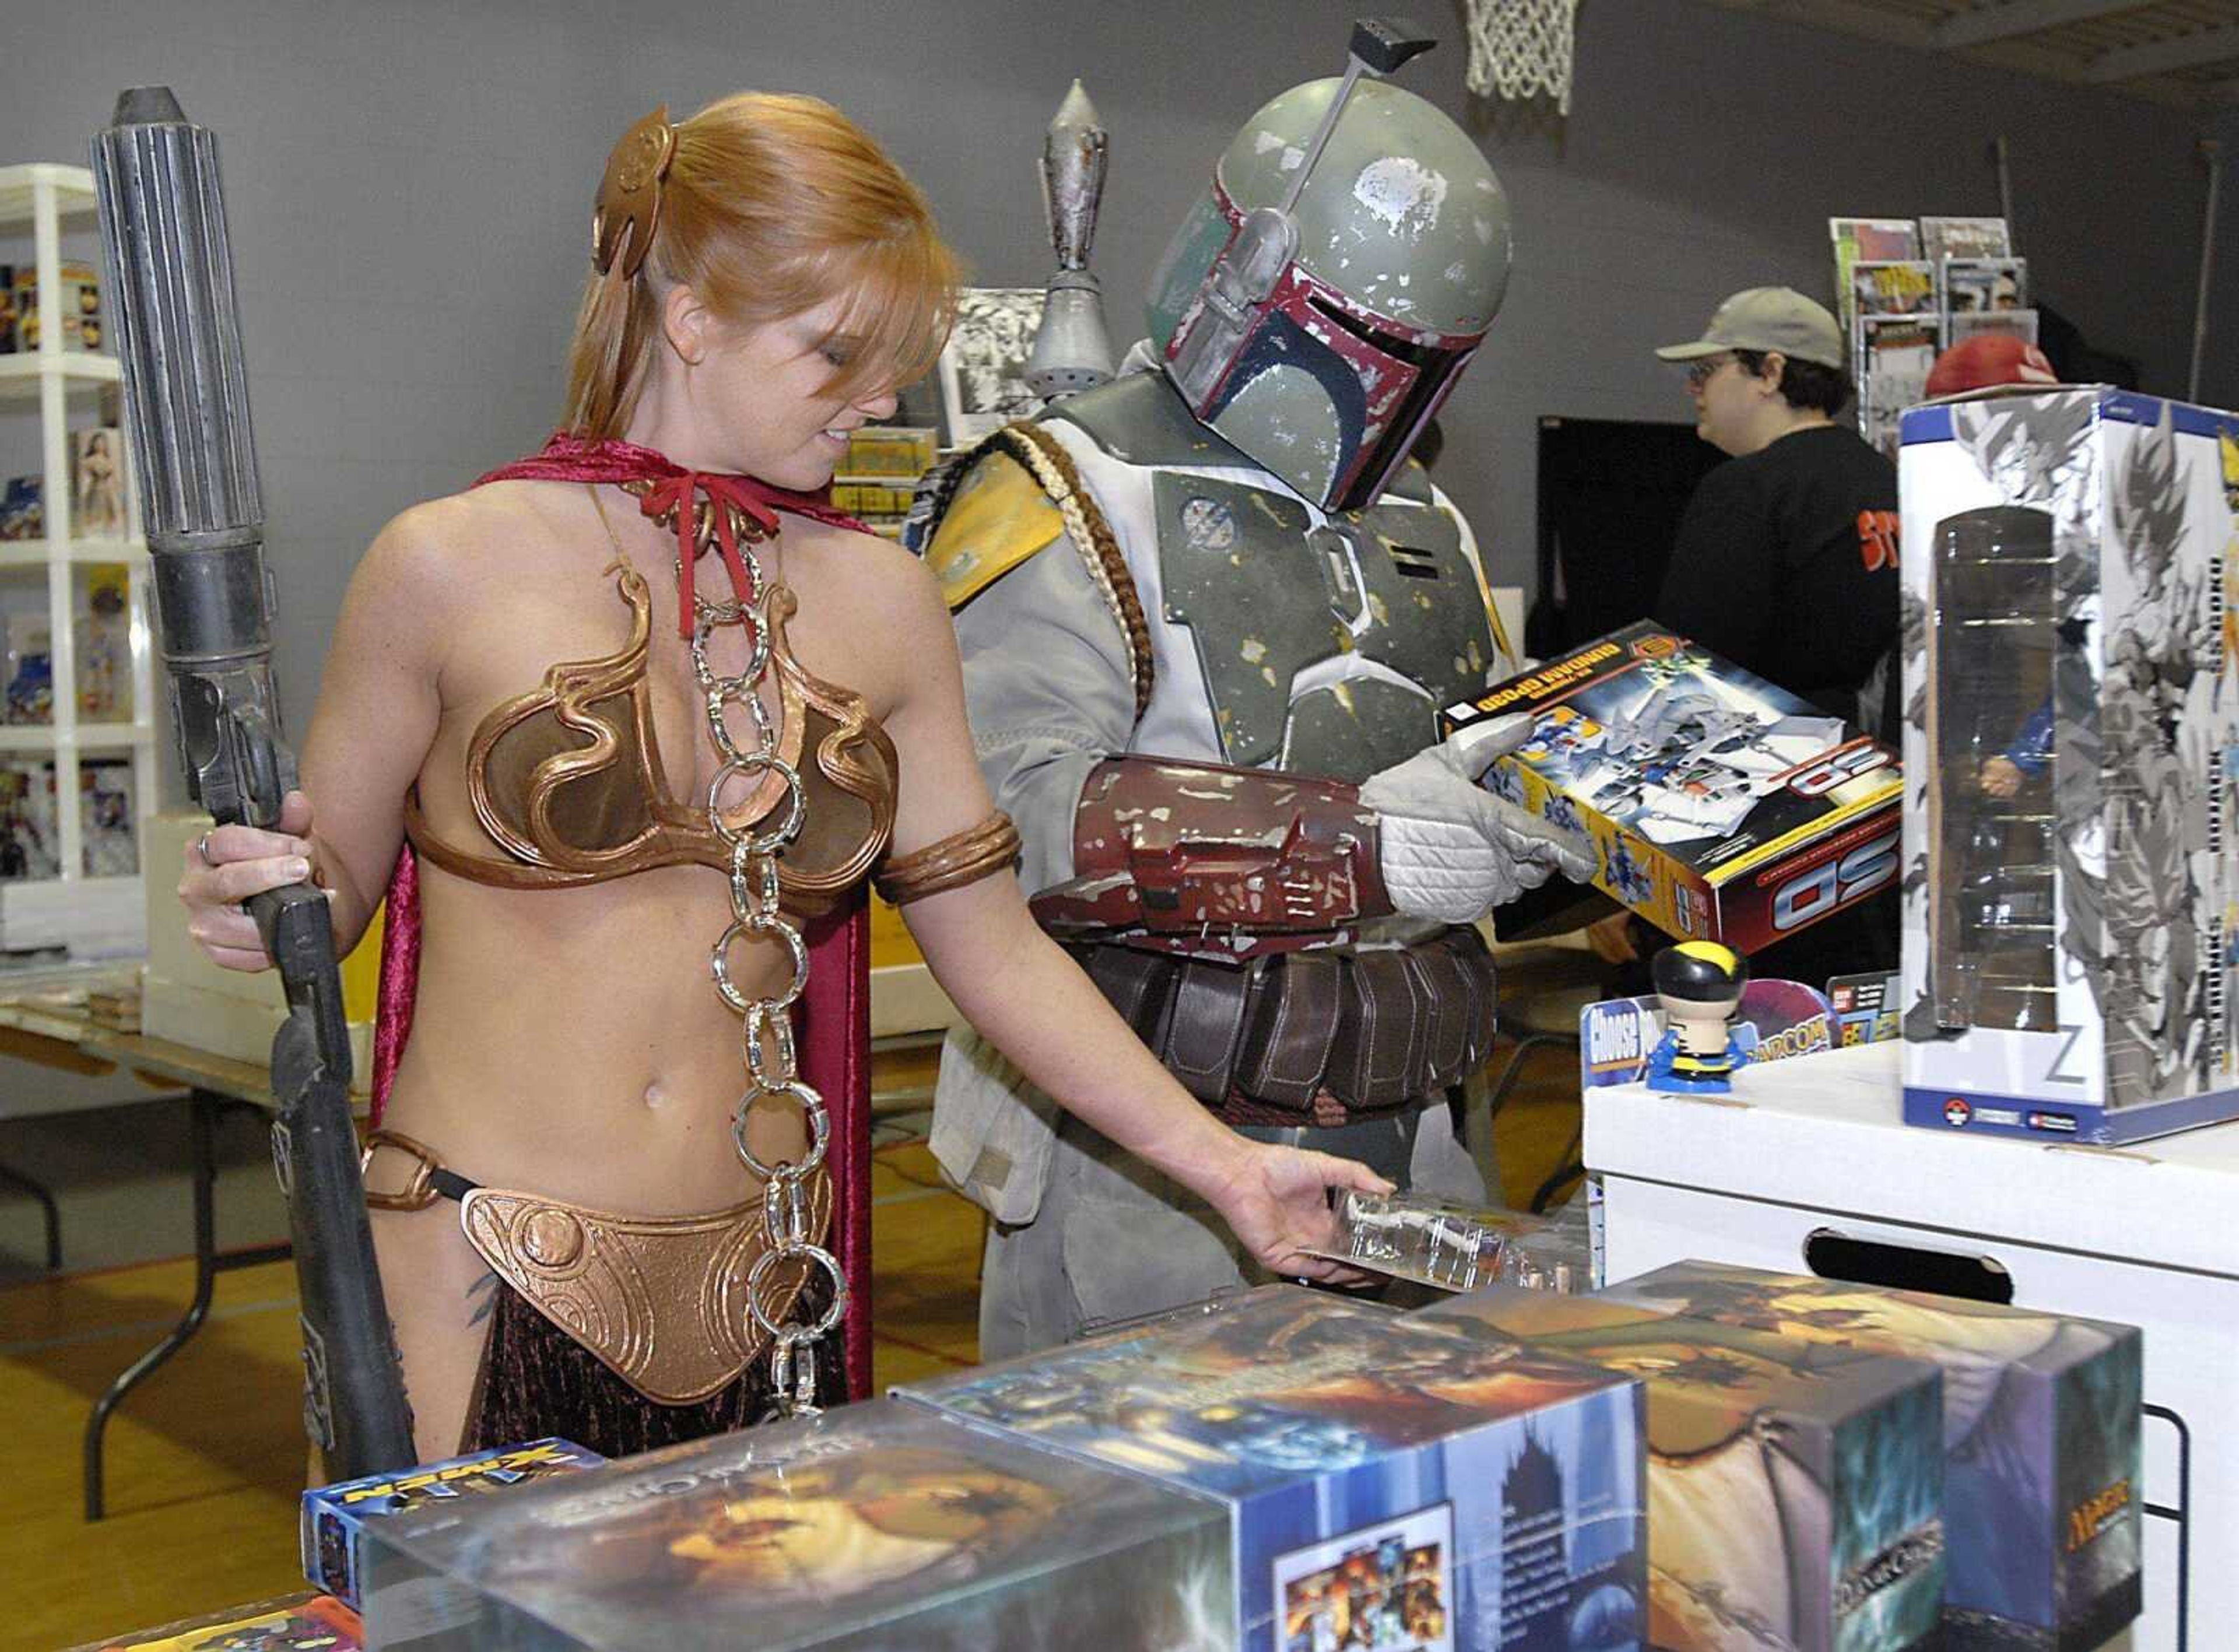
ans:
(629, 196)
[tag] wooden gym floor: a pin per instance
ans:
(205, 1459)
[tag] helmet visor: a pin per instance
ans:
(1181, 272)
(1410, 383)
(1366, 387)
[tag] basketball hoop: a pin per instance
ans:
(1520, 49)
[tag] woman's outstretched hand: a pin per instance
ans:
(1277, 1201)
(227, 865)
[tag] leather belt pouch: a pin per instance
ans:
(1205, 1027)
(1290, 1022)
(1378, 1033)
(1136, 984)
(1450, 1000)
(1375, 1030)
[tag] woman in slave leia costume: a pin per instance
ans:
(623, 730)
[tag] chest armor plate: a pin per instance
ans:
(1275, 605)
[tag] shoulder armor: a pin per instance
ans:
(998, 517)
(1020, 491)
(1141, 420)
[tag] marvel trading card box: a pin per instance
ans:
(2072, 726)
(875, 1525)
(1795, 1490)
(333, 1521)
(1392, 1482)
(1722, 808)
(2041, 1441)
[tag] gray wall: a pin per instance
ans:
(2219, 372)
(410, 184)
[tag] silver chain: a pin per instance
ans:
(767, 1029)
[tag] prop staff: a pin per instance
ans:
(169, 270)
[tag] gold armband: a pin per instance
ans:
(961, 857)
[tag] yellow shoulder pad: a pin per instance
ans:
(998, 518)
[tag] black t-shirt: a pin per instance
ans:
(1786, 565)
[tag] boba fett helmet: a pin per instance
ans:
(1320, 301)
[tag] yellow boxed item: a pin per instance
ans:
(78, 315)
(890, 450)
(190, 1000)
(870, 499)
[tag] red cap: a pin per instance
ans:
(1988, 359)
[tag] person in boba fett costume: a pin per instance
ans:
(1207, 623)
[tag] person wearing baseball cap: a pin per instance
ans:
(1744, 412)
(1785, 560)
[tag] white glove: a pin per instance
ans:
(1451, 849)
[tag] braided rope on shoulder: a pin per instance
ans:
(1046, 460)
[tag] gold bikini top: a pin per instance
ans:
(567, 779)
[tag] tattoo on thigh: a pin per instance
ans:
(483, 1295)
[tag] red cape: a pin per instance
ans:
(833, 1019)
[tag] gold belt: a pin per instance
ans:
(661, 1301)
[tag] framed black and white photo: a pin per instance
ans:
(983, 386)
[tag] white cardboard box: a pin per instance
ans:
(2143, 1236)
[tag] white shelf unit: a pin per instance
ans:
(72, 909)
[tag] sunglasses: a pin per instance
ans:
(1701, 373)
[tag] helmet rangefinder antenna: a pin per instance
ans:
(1381, 46)
(1265, 243)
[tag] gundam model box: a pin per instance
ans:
(1794, 1490)
(1723, 808)
(872, 1526)
(332, 1521)
(2042, 1452)
(2071, 905)
(1393, 1481)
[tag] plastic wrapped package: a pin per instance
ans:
(875, 1525)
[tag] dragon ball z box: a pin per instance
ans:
(1388, 1482)
(1722, 808)
(1795, 1490)
(878, 1525)
(2041, 1443)
(334, 1517)
(2071, 668)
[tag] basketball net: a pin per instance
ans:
(1518, 49)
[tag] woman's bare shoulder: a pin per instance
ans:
(873, 574)
(468, 537)
(883, 602)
